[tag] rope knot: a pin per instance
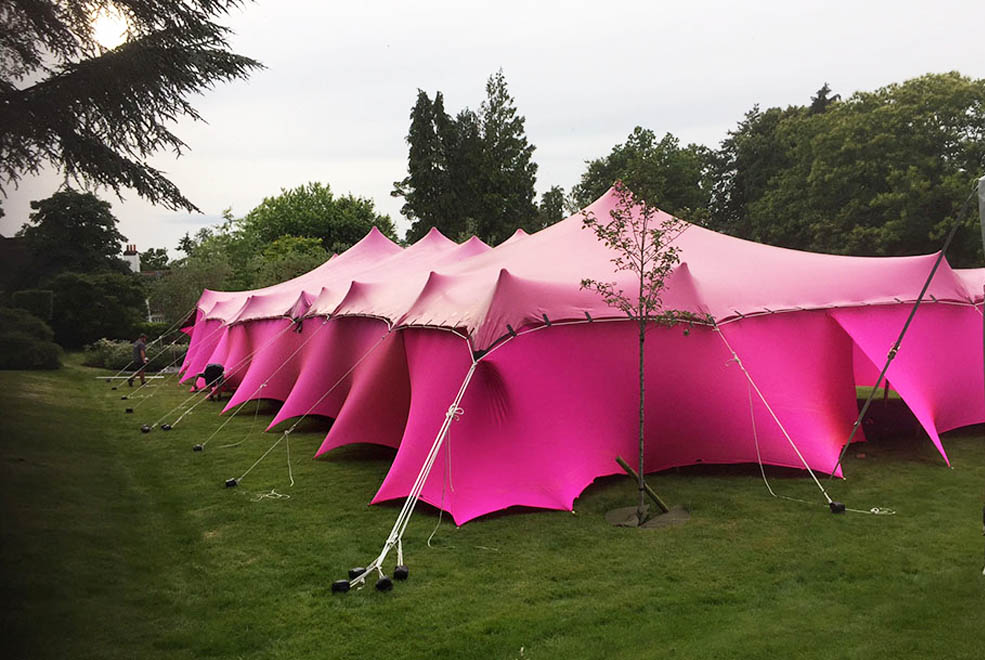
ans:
(454, 412)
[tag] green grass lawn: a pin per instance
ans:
(117, 544)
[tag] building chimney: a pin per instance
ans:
(132, 257)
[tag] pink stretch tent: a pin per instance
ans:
(387, 337)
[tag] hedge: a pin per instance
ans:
(21, 350)
(39, 302)
(112, 354)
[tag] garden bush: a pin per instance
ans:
(25, 342)
(39, 302)
(113, 354)
(19, 320)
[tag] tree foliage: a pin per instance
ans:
(661, 172)
(282, 237)
(287, 257)
(97, 114)
(73, 231)
(879, 173)
(154, 259)
(471, 174)
(312, 211)
(91, 306)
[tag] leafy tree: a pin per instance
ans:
(471, 174)
(288, 257)
(880, 173)
(175, 294)
(154, 259)
(642, 239)
(551, 208)
(508, 174)
(98, 114)
(90, 306)
(427, 189)
(822, 101)
(661, 172)
(311, 211)
(224, 249)
(744, 170)
(73, 231)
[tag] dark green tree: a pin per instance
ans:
(508, 175)
(822, 100)
(312, 211)
(471, 174)
(426, 188)
(154, 259)
(551, 208)
(882, 173)
(88, 307)
(662, 173)
(742, 169)
(97, 114)
(73, 231)
(286, 258)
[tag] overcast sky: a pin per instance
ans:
(333, 103)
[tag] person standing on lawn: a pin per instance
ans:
(139, 358)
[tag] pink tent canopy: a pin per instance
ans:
(381, 339)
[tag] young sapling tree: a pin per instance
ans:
(642, 240)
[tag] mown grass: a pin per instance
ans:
(117, 544)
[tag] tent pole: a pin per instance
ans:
(896, 345)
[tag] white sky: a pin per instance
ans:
(333, 104)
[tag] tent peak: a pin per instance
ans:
(433, 239)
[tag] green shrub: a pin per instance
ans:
(20, 350)
(19, 320)
(88, 307)
(39, 302)
(112, 354)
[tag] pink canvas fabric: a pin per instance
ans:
(555, 383)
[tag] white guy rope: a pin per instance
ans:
(172, 328)
(403, 518)
(876, 511)
(293, 426)
(167, 366)
(264, 383)
(256, 416)
(203, 393)
(738, 361)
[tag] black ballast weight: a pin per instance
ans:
(231, 483)
(356, 572)
(165, 427)
(384, 584)
(145, 429)
(340, 586)
(836, 507)
(198, 448)
(128, 411)
(401, 572)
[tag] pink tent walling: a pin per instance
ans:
(501, 356)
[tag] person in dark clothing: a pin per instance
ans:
(140, 359)
(214, 377)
